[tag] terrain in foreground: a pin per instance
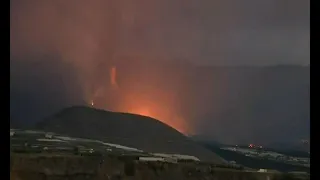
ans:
(43, 155)
(38, 167)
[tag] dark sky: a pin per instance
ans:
(62, 51)
(204, 31)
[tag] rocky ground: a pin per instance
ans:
(42, 166)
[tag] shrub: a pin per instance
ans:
(129, 169)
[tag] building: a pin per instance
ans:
(177, 157)
(49, 135)
(262, 170)
(157, 159)
(152, 159)
(83, 150)
(171, 160)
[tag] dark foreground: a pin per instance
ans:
(60, 167)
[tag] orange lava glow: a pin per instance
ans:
(174, 121)
(157, 108)
(140, 97)
(141, 111)
(113, 77)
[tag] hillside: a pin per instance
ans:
(233, 105)
(126, 129)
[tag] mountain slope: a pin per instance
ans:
(126, 129)
(233, 105)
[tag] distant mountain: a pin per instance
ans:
(233, 105)
(258, 105)
(132, 130)
(230, 104)
(290, 146)
(206, 140)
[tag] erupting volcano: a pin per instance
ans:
(142, 97)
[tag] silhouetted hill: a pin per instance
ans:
(228, 104)
(132, 130)
(290, 146)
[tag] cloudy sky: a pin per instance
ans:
(253, 32)
(62, 51)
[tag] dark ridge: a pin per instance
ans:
(126, 129)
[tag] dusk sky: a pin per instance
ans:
(62, 52)
(252, 32)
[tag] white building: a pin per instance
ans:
(177, 156)
(262, 170)
(152, 159)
